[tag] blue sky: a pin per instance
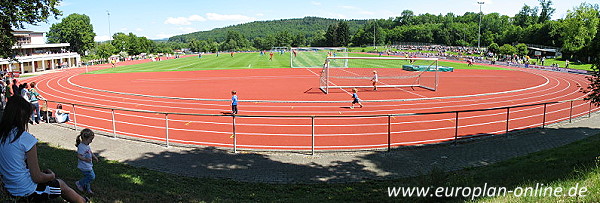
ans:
(162, 19)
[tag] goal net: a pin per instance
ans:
(392, 72)
(312, 57)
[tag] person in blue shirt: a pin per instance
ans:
(34, 98)
(355, 98)
(234, 102)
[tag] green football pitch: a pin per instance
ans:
(252, 60)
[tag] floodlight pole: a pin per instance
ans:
(109, 34)
(480, 16)
(374, 23)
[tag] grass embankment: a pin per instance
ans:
(565, 167)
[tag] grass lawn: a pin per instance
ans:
(207, 62)
(566, 166)
(573, 65)
(239, 61)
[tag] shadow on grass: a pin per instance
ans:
(234, 177)
(375, 171)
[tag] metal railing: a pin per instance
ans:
(389, 117)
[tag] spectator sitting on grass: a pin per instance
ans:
(62, 116)
(19, 165)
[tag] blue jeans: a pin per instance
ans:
(88, 177)
(36, 110)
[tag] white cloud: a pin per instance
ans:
(196, 18)
(177, 21)
(260, 14)
(101, 38)
(236, 17)
(184, 20)
(139, 29)
(315, 3)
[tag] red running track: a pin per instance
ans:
(208, 92)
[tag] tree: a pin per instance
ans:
(164, 47)
(299, 40)
(131, 44)
(419, 33)
(594, 49)
(194, 45)
(283, 39)
(262, 43)
(521, 49)
(343, 32)
(17, 13)
(235, 41)
(394, 35)
(547, 11)
(373, 30)
(75, 29)
(507, 49)
(526, 17)
(542, 33)
(212, 46)
(105, 50)
(494, 48)
(120, 41)
(338, 34)
(318, 40)
(139, 45)
(406, 18)
(331, 36)
(594, 87)
(579, 28)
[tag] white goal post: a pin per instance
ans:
(392, 72)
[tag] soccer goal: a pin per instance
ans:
(312, 57)
(392, 72)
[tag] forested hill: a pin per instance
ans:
(307, 26)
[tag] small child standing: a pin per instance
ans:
(234, 102)
(355, 98)
(375, 80)
(84, 163)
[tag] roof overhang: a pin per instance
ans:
(33, 46)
